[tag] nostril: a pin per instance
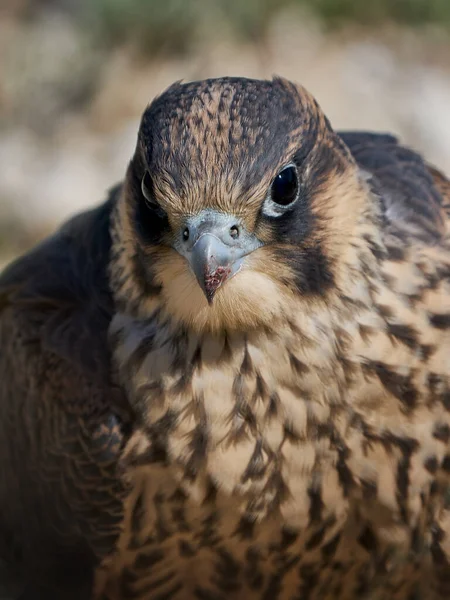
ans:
(234, 231)
(186, 234)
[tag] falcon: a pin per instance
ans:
(232, 379)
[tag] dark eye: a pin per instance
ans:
(147, 190)
(284, 188)
(151, 221)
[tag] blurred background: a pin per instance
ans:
(75, 76)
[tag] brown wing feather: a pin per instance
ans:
(443, 185)
(414, 194)
(61, 416)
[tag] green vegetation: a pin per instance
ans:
(376, 12)
(171, 26)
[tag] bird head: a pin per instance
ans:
(239, 200)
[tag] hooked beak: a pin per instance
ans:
(214, 244)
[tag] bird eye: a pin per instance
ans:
(147, 190)
(284, 188)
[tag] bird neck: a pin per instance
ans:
(237, 409)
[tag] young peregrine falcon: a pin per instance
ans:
(232, 379)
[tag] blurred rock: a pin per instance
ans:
(43, 183)
(48, 69)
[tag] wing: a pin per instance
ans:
(416, 197)
(62, 418)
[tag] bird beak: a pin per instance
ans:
(213, 262)
(214, 244)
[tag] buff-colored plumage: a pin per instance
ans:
(288, 439)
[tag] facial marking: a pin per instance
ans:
(210, 156)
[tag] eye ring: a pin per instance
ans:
(285, 187)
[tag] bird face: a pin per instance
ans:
(239, 200)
